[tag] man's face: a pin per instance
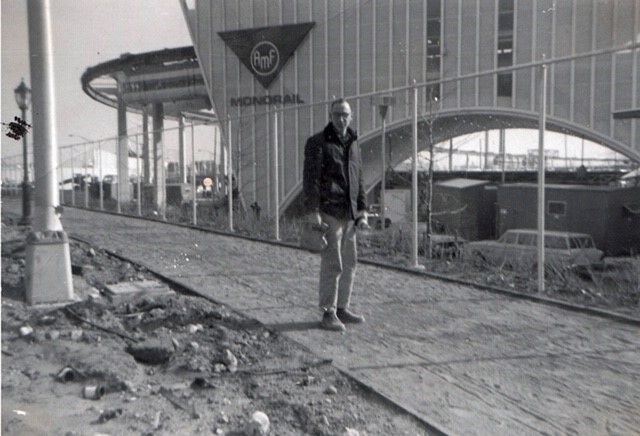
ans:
(341, 117)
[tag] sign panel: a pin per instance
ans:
(266, 50)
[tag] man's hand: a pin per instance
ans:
(314, 218)
(361, 221)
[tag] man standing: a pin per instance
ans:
(332, 183)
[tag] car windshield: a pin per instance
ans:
(555, 242)
(508, 238)
(581, 242)
(527, 239)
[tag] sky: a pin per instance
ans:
(85, 33)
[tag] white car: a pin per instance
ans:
(518, 247)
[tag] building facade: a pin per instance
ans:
(271, 68)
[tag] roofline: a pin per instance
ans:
(128, 61)
(548, 232)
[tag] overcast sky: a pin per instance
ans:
(85, 33)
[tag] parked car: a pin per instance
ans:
(518, 247)
(398, 236)
(375, 221)
(445, 245)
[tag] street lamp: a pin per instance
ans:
(23, 98)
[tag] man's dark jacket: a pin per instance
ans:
(332, 178)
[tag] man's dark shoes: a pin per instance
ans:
(346, 316)
(331, 322)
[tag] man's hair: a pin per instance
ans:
(334, 103)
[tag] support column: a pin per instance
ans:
(159, 177)
(48, 259)
(181, 150)
(216, 164)
(223, 157)
(124, 190)
(487, 161)
(276, 181)
(146, 165)
(503, 154)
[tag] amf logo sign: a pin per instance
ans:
(265, 58)
(265, 51)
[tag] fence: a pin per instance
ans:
(239, 174)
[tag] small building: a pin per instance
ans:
(610, 214)
(465, 207)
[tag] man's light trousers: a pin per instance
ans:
(338, 263)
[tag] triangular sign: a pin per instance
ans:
(266, 50)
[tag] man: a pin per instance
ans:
(332, 183)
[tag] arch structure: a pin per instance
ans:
(272, 67)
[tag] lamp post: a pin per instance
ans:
(383, 106)
(23, 99)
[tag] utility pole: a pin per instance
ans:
(48, 259)
(541, 181)
(276, 179)
(230, 175)
(414, 183)
(431, 145)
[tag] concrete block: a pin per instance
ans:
(125, 291)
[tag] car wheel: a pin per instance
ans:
(477, 258)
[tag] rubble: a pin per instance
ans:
(130, 290)
(69, 374)
(26, 330)
(195, 328)
(109, 414)
(331, 390)
(258, 425)
(157, 363)
(153, 351)
(93, 392)
(230, 361)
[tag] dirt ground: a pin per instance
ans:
(614, 287)
(168, 364)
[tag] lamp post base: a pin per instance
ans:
(25, 221)
(48, 268)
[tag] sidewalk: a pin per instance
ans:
(467, 361)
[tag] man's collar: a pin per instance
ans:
(330, 134)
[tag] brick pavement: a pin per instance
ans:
(467, 361)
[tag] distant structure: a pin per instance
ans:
(161, 84)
